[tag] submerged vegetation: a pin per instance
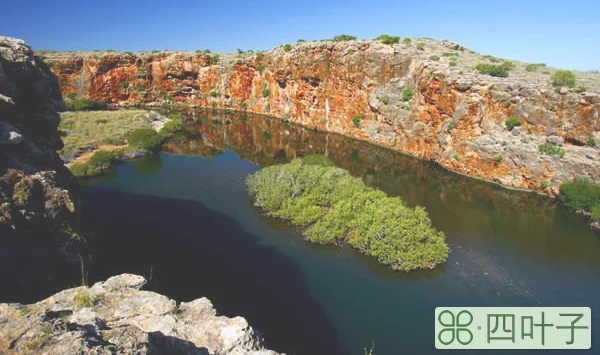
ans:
(332, 207)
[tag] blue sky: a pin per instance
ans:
(559, 33)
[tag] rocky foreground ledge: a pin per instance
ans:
(115, 316)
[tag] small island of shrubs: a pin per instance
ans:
(330, 206)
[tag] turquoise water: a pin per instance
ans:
(183, 218)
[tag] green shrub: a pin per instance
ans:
(214, 58)
(420, 46)
(356, 120)
(266, 135)
(105, 159)
(260, 55)
(287, 47)
(495, 70)
(591, 143)
(266, 92)
(79, 169)
(145, 139)
(84, 104)
(580, 194)
(387, 39)
(434, 57)
(450, 54)
(580, 89)
(407, 94)
(171, 127)
(534, 66)
(406, 41)
(595, 212)
(83, 299)
(332, 207)
(563, 78)
(101, 160)
(343, 37)
(545, 185)
(512, 122)
(384, 99)
(551, 149)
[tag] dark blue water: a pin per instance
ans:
(184, 220)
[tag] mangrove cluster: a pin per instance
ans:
(330, 206)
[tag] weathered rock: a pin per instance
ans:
(324, 85)
(38, 195)
(29, 139)
(115, 316)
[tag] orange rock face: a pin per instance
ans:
(452, 115)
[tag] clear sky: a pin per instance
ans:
(559, 33)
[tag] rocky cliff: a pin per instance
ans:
(116, 317)
(424, 98)
(38, 195)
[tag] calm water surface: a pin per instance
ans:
(184, 219)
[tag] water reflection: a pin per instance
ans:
(469, 211)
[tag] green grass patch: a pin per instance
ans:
(356, 120)
(434, 57)
(332, 207)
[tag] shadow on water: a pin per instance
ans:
(189, 250)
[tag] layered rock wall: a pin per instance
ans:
(424, 98)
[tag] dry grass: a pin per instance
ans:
(88, 130)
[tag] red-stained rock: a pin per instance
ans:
(455, 117)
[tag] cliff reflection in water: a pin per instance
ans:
(474, 210)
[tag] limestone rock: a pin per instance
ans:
(115, 316)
